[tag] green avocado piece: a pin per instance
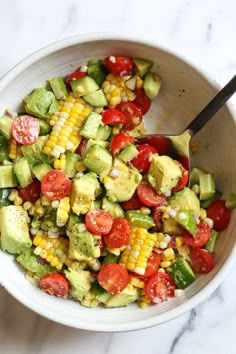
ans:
(231, 201)
(97, 70)
(181, 272)
(45, 127)
(15, 237)
(28, 260)
(6, 126)
(186, 219)
(23, 172)
(73, 220)
(112, 208)
(40, 170)
(138, 219)
(7, 176)
(98, 159)
(142, 66)
(33, 153)
(128, 153)
(90, 127)
(80, 282)
(96, 99)
(58, 87)
(164, 173)
(124, 298)
(207, 186)
(41, 103)
(151, 85)
(81, 245)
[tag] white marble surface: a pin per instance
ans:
(204, 31)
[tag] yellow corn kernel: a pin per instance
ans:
(106, 179)
(165, 264)
(115, 130)
(138, 283)
(13, 195)
(139, 82)
(160, 237)
(27, 205)
(63, 211)
(12, 149)
(143, 300)
(40, 210)
(80, 166)
(168, 254)
(179, 241)
(18, 201)
(203, 214)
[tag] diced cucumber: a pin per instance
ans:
(231, 201)
(205, 203)
(128, 153)
(90, 127)
(103, 132)
(186, 219)
(100, 293)
(97, 204)
(195, 173)
(97, 70)
(45, 127)
(151, 85)
(207, 186)
(22, 172)
(84, 86)
(138, 219)
(210, 245)
(58, 87)
(3, 148)
(73, 220)
(91, 142)
(71, 162)
(112, 208)
(4, 193)
(181, 272)
(142, 66)
(96, 98)
(98, 159)
(6, 126)
(40, 170)
(110, 258)
(7, 177)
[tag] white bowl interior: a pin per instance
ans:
(184, 93)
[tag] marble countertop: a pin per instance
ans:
(204, 31)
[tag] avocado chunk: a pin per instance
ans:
(41, 103)
(40, 170)
(142, 66)
(112, 208)
(124, 298)
(128, 153)
(81, 245)
(164, 173)
(71, 163)
(96, 98)
(15, 237)
(123, 187)
(100, 294)
(58, 87)
(83, 193)
(98, 159)
(73, 220)
(29, 261)
(231, 201)
(138, 219)
(186, 219)
(90, 127)
(6, 126)
(195, 173)
(181, 272)
(33, 153)
(7, 177)
(151, 85)
(185, 199)
(207, 186)
(104, 132)
(97, 70)
(44, 126)
(84, 86)
(80, 282)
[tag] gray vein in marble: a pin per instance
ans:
(188, 327)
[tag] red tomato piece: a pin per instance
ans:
(25, 130)
(142, 101)
(159, 287)
(113, 277)
(119, 142)
(142, 160)
(220, 215)
(157, 217)
(201, 236)
(54, 284)
(113, 116)
(118, 65)
(132, 114)
(82, 147)
(98, 221)
(149, 196)
(201, 260)
(30, 193)
(119, 234)
(161, 143)
(183, 181)
(55, 185)
(132, 204)
(74, 76)
(152, 266)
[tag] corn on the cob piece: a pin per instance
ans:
(90, 300)
(63, 211)
(139, 249)
(60, 163)
(115, 90)
(13, 149)
(138, 283)
(143, 300)
(72, 114)
(54, 250)
(14, 197)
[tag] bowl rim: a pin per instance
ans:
(219, 277)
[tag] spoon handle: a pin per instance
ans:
(213, 106)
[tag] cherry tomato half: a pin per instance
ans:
(98, 221)
(159, 287)
(161, 143)
(30, 193)
(220, 215)
(157, 217)
(55, 185)
(117, 65)
(119, 142)
(149, 196)
(74, 76)
(119, 234)
(201, 236)
(113, 277)
(201, 260)
(25, 130)
(132, 204)
(183, 181)
(113, 116)
(152, 266)
(142, 101)
(54, 284)
(142, 160)
(132, 114)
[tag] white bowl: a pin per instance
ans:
(185, 91)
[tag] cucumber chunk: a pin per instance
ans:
(40, 170)
(22, 172)
(210, 245)
(7, 177)
(138, 219)
(6, 126)
(128, 153)
(90, 127)
(84, 86)
(186, 219)
(207, 186)
(96, 99)
(181, 272)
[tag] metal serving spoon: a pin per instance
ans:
(178, 146)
